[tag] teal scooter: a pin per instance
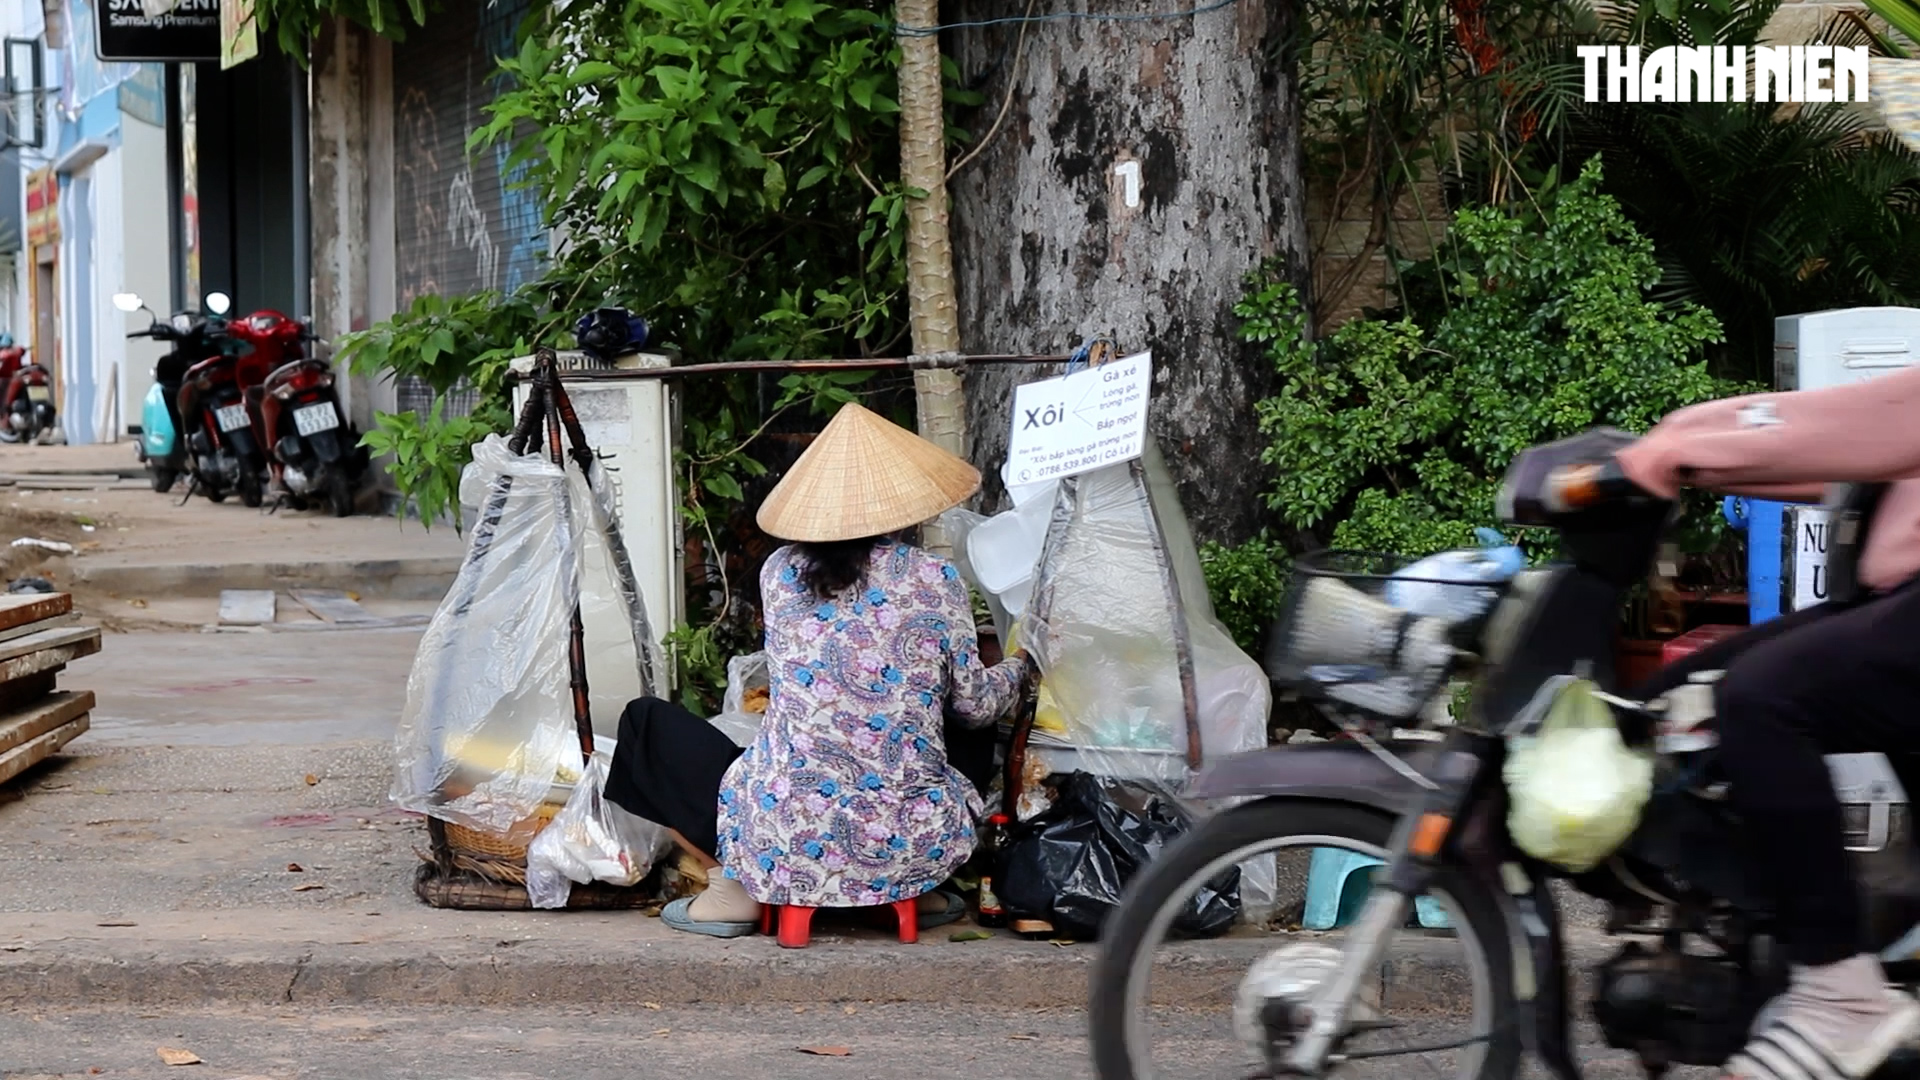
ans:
(194, 338)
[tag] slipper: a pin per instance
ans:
(677, 916)
(956, 909)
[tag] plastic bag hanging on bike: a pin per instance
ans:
(1575, 788)
(487, 730)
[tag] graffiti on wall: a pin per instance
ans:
(463, 225)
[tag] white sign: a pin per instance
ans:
(1808, 546)
(1078, 423)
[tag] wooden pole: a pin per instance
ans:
(932, 309)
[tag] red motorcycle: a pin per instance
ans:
(316, 452)
(28, 406)
(220, 402)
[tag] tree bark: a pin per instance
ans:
(1049, 251)
(939, 395)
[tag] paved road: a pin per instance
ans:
(883, 1042)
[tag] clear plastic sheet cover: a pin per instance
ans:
(619, 664)
(1102, 627)
(488, 724)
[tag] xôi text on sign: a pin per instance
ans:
(1080, 422)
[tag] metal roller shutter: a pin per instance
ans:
(459, 225)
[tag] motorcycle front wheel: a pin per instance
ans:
(163, 478)
(1125, 1015)
(340, 493)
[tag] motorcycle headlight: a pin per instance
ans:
(183, 322)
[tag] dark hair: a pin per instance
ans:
(831, 568)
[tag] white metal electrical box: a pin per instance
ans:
(633, 424)
(1831, 348)
(1815, 351)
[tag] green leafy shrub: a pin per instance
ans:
(1247, 583)
(429, 454)
(1391, 435)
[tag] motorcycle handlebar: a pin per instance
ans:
(1579, 487)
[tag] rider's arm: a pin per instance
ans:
(1867, 432)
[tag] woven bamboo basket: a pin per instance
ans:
(511, 848)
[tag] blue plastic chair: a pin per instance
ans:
(1337, 885)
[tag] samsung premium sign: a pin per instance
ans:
(185, 30)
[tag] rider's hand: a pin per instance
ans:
(1651, 465)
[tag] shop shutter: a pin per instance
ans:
(460, 227)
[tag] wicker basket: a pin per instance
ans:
(464, 841)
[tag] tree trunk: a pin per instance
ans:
(1051, 250)
(939, 396)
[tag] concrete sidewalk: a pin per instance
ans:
(163, 876)
(223, 837)
(137, 545)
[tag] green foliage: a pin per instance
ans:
(731, 165)
(1393, 434)
(1758, 210)
(293, 23)
(1247, 583)
(428, 456)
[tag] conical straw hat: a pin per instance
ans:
(863, 477)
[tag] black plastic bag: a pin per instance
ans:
(1070, 865)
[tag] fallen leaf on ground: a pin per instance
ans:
(312, 779)
(1062, 942)
(307, 888)
(295, 868)
(969, 935)
(851, 1010)
(826, 1051)
(654, 1005)
(116, 924)
(173, 1055)
(1024, 1038)
(138, 603)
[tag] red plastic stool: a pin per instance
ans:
(796, 923)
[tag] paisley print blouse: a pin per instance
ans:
(845, 798)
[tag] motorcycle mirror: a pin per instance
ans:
(219, 303)
(128, 302)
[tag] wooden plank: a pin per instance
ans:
(69, 619)
(53, 659)
(28, 689)
(42, 716)
(58, 638)
(334, 607)
(21, 609)
(246, 607)
(21, 758)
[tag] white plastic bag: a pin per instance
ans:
(488, 724)
(1417, 588)
(736, 721)
(1575, 789)
(590, 839)
(619, 640)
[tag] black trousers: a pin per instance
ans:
(1824, 680)
(668, 765)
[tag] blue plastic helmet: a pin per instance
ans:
(6, 341)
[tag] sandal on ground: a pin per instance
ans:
(1785, 1050)
(678, 916)
(956, 909)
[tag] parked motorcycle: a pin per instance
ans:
(315, 448)
(28, 406)
(1435, 811)
(162, 447)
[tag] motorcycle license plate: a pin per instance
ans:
(39, 393)
(231, 417)
(314, 419)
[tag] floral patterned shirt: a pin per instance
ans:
(845, 798)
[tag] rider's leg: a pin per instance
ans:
(1845, 682)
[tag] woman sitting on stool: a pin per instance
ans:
(846, 797)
